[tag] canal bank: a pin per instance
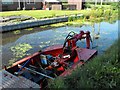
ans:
(22, 25)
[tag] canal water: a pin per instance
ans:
(103, 34)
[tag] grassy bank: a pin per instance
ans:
(101, 72)
(90, 17)
(39, 13)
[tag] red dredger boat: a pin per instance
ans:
(57, 60)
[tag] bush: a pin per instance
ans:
(107, 13)
(99, 12)
(87, 5)
(72, 18)
(115, 5)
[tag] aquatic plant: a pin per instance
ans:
(44, 26)
(58, 25)
(69, 23)
(29, 29)
(17, 32)
(11, 61)
(20, 49)
(42, 46)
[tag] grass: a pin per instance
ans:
(101, 72)
(39, 13)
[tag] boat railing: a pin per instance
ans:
(42, 74)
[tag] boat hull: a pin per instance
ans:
(79, 57)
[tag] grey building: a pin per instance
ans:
(11, 5)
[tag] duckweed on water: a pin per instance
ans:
(20, 50)
(45, 26)
(58, 25)
(48, 43)
(11, 61)
(42, 46)
(29, 29)
(17, 32)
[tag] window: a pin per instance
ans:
(7, 2)
(30, 1)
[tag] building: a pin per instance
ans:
(76, 4)
(8, 5)
(52, 5)
(11, 5)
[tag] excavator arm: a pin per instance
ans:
(72, 38)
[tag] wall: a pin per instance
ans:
(14, 6)
(36, 5)
(35, 23)
(56, 7)
(8, 7)
(78, 3)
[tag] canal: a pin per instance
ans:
(17, 46)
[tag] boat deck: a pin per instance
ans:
(11, 81)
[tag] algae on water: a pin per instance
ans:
(20, 49)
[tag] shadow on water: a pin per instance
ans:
(103, 35)
(10, 37)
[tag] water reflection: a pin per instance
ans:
(103, 35)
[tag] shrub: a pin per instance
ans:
(87, 5)
(99, 12)
(115, 5)
(107, 13)
(70, 19)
